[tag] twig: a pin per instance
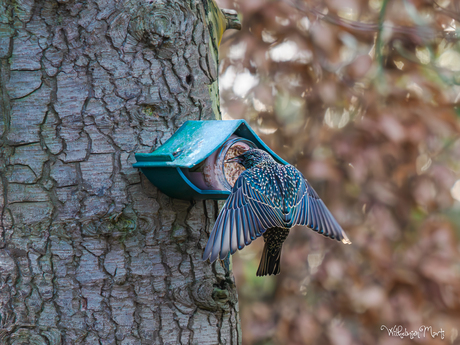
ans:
(419, 31)
(379, 41)
(453, 15)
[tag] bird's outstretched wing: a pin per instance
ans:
(246, 214)
(262, 201)
(311, 211)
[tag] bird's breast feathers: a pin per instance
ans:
(278, 184)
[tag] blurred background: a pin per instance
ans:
(362, 96)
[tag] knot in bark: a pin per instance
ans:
(207, 295)
(161, 25)
(28, 335)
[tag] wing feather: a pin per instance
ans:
(234, 231)
(246, 228)
(316, 215)
(314, 212)
(216, 248)
(245, 216)
(241, 233)
(320, 218)
(209, 245)
(226, 245)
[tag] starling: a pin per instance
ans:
(268, 199)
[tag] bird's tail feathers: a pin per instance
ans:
(269, 262)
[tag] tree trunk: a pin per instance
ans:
(90, 251)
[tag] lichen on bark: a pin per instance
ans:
(90, 251)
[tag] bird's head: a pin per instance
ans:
(251, 158)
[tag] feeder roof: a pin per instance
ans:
(197, 140)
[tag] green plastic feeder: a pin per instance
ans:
(181, 168)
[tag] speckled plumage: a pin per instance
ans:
(268, 199)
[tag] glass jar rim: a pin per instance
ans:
(228, 144)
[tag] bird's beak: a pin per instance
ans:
(236, 159)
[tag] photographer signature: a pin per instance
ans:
(422, 332)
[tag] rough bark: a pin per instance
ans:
(90, 251)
